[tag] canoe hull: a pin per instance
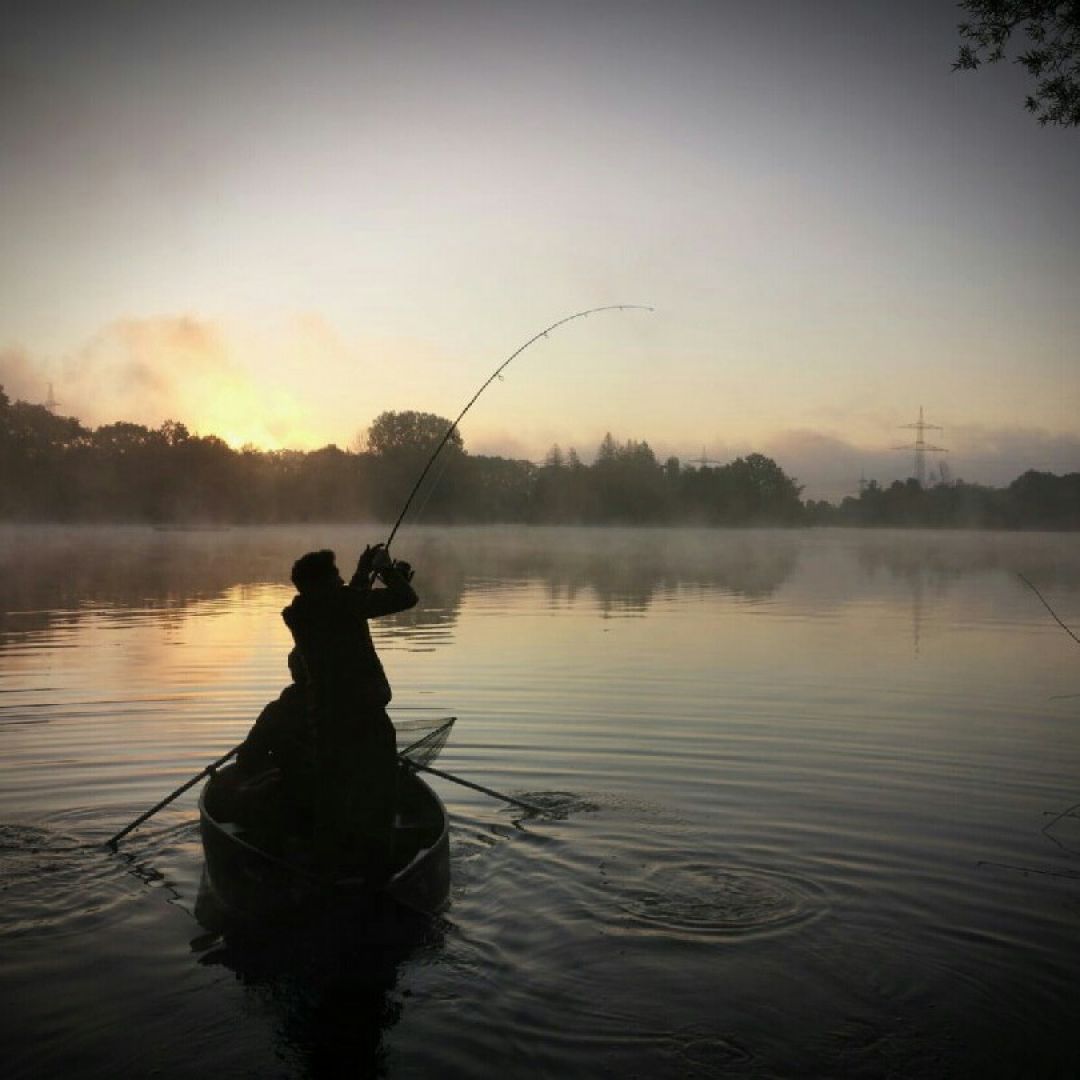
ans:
(249, 883)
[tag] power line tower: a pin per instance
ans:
(50, 402)
(922, 447)
(702, 461)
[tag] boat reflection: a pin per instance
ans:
(328, 980)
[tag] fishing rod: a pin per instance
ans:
(487, 382)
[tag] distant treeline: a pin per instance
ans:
(1035, 500)
(53, 468)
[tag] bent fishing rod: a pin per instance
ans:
(487, 382)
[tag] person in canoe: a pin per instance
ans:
(274, 764)
(355, 748)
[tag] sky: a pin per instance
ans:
(273, 221)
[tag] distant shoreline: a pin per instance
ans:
(56, 470)
(428, 526)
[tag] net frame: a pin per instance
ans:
(424, 750)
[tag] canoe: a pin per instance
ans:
(248, 882)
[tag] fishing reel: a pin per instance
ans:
(403, 568)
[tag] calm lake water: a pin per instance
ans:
(807, 783)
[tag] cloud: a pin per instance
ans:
(827, 466)
(283, 381)
(151, 369)
(996, 455)
(830, 467)
(243, 383)
(148, 370)
(20, 377)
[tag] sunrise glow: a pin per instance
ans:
(278, 239)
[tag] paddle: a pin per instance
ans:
(531, 807)
(114, 840)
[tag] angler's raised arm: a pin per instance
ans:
(398, 594)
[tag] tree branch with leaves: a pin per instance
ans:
(1052, 58)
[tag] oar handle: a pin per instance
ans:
(114, 840)
(531, 807)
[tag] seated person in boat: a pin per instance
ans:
(275, 762)
(355, 746)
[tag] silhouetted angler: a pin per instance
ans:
(355, 746)
(280, 738)
(275, 762)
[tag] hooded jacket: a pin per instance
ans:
(330, 628)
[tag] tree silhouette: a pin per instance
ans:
(52, 468)
(400, 444)
(410, 432)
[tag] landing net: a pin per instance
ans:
(421, 741)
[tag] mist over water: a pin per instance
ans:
(801, 782)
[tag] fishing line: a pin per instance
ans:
(435, 480)
(1046, 605)
(487, 382)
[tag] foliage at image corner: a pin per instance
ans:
(1052, 55)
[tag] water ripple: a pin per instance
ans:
(699, 1053)
(52, 881)
(560, 804)
(727, 901)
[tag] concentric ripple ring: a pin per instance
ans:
(726, 901)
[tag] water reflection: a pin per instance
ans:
(622, 569)
(216, 592)
(54, 574)
(791, 849)
(50, 572)
(933, 560)
(328, 982)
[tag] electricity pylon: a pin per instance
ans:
(922, 447)
(702, 461)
